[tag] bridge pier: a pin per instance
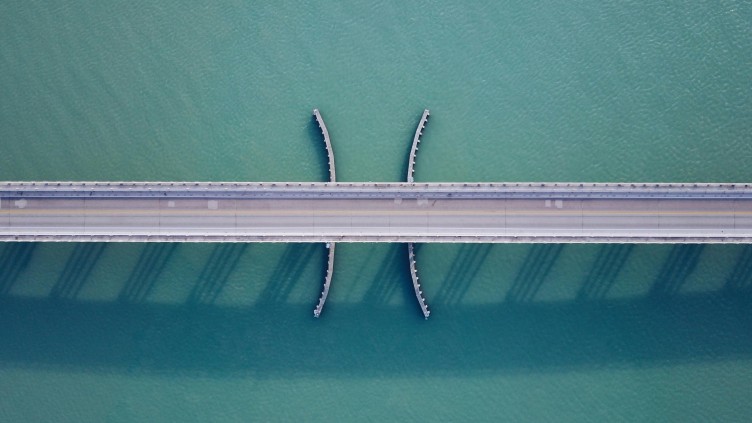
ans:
(416, 283)
(416, 140)
(327, 144)
(327, 281)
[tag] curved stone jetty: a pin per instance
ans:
(410, 246)
(327, 281)
(416, 283)
(416, 141)
(330, 245)
(328, 143)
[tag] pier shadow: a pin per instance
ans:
(145, 274)
(287, 272)
(392, 279)
(464, 268)
(681, 262)
(605, 270)
(324, 258)
(740, 279)
(13, 261)
(217, 270)
(77, 270)
(533, 272)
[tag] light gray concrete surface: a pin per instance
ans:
(327, 145)
(416, 141)
(327, 279)
(329, 212)
(416, 281)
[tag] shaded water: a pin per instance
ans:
(540, 91)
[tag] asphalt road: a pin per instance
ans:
(375, 219)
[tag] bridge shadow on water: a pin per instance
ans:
(217, 270)
(463, 270)
(393, 281)
(14, 259)
(604, 271)
(77, 270)
(740, 280)
(271, 338)
(145, 274)
(287, 272)
(533, 272)
(681, 262)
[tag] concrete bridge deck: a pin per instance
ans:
(375, 212)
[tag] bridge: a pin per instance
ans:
(410, 212)
(375, 212)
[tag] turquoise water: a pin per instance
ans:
(518, 91)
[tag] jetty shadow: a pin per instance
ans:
(681, 262)
(145, 274)
(77, 269)
(287, 272)
(604, 271)
(392, 278)
(740, 279)
(217, 270)
(465, 267)
(533, 272)
(13, 261)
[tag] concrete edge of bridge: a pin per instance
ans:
(375, 239)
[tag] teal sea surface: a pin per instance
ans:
(591, 91)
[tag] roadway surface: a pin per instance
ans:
(366, 212)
